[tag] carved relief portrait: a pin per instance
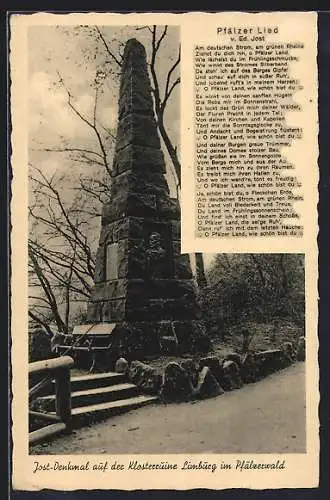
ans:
(156, 255)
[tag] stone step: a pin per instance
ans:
(93, 396)
(90, 413)
(94, 380)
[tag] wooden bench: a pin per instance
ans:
(94, 340)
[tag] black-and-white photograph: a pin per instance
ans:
(135, 347)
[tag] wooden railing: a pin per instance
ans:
(60, 420)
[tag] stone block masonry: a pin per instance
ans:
(142, 281)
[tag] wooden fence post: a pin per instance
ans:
(50, 368)
(63, 394)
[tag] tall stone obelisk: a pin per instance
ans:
(143, 284)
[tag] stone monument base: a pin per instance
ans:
(136, 340)
(103, 344)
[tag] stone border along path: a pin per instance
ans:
(210, 376)
(264, 417)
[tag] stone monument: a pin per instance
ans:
(143, 285)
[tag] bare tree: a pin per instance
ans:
(61, 262)
(160, 101)
(64, 211)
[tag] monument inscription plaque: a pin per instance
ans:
(111, 262)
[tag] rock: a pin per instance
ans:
(289, 354)
(270, 361)
(121, 365)
(207, 385)
(249, 369)
(145, 377)
(177, 385)
(233, 356)
(301, 354)
(231, 376)
(214, 364)
(189, 366)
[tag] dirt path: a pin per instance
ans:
(266, 417)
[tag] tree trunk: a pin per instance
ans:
(200, 270)
(170, 148)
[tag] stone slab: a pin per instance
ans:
(147, 181)
(96, 329)
(138, 159)
(115, 289)
(135, 99)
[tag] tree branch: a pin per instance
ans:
(38, 319)
(107, 48)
